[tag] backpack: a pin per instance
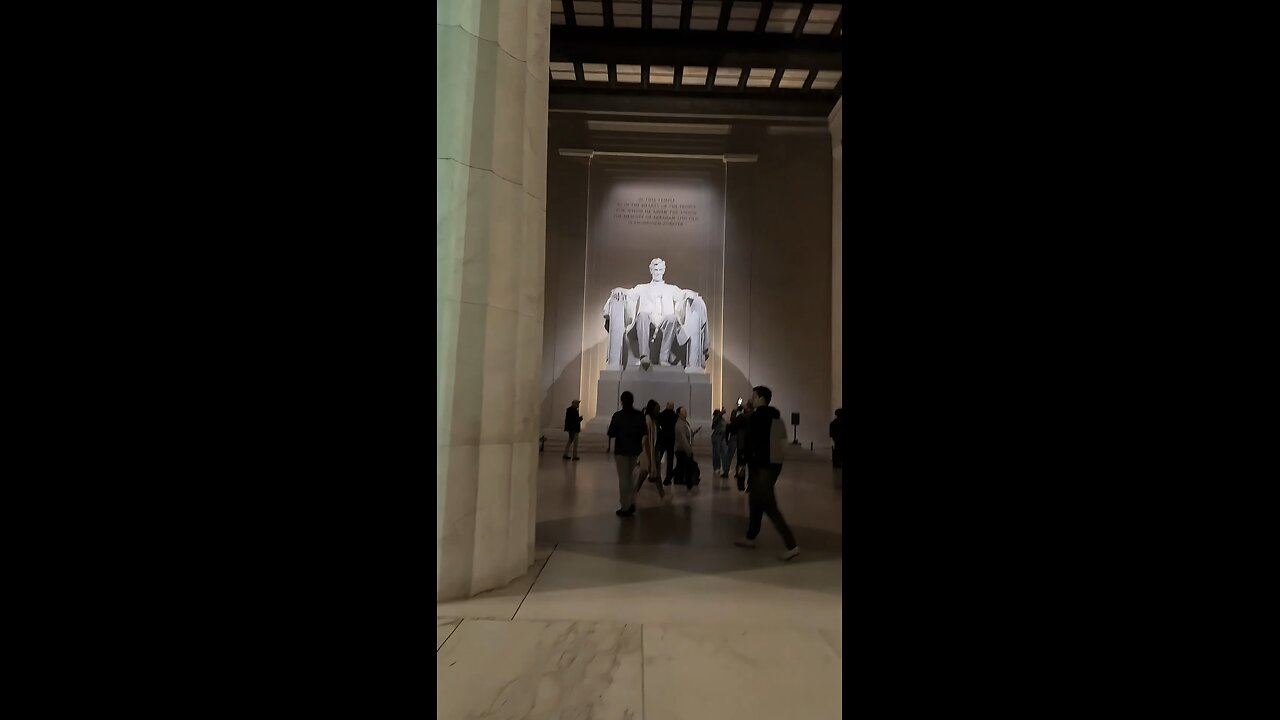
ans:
(777, 440)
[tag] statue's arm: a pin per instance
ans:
(616, 296)
(632, 307)
(698, 304)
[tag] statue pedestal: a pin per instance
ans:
(664, 384)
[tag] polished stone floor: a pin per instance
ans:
(659, 616)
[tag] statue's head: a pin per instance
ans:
(657, 268)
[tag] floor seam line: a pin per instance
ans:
(642, 707)
(451, 632)
(535, 582)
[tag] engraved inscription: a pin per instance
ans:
(659, 211)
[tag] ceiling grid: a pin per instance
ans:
(782, 58)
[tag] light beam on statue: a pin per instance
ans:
(656, 312)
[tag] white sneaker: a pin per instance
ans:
(788, 555)
(745, 544)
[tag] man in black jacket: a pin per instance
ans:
(667, 438)
(627, 429)
(764, 468)
(573, 426)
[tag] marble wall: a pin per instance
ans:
(777, 318)
(620, 246)
(491, 151)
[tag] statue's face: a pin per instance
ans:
(657, 269)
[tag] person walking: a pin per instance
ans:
(667, 437)
(684, 450)
(766, 438)
(573, 426)
(627, 430)
(718, 426)
(730, 450)
(837, 429)
(735, 425)
(649, 451)
(730, 443)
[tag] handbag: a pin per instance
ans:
(641, 472)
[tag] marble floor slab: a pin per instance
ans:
(676, 584)
(501, 669)
(444, 628)
(739, 673)
(499, 604)
(657, 616)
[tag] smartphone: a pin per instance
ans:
(739, 402)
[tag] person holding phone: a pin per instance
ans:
(718, 426)
(738, 428)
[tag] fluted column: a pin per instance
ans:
(491, 169)
(837, 254)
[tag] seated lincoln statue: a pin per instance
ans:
(656, 312)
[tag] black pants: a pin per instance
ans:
(763, 502)
(741, 471)
(668, 448)
(684, 470)
(835, 455)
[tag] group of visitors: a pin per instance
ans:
(642, 439)
(755, 432)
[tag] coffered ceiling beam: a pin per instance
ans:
(672, 47)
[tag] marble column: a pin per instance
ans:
(835, 121)
(491, 161)
(743, 190)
